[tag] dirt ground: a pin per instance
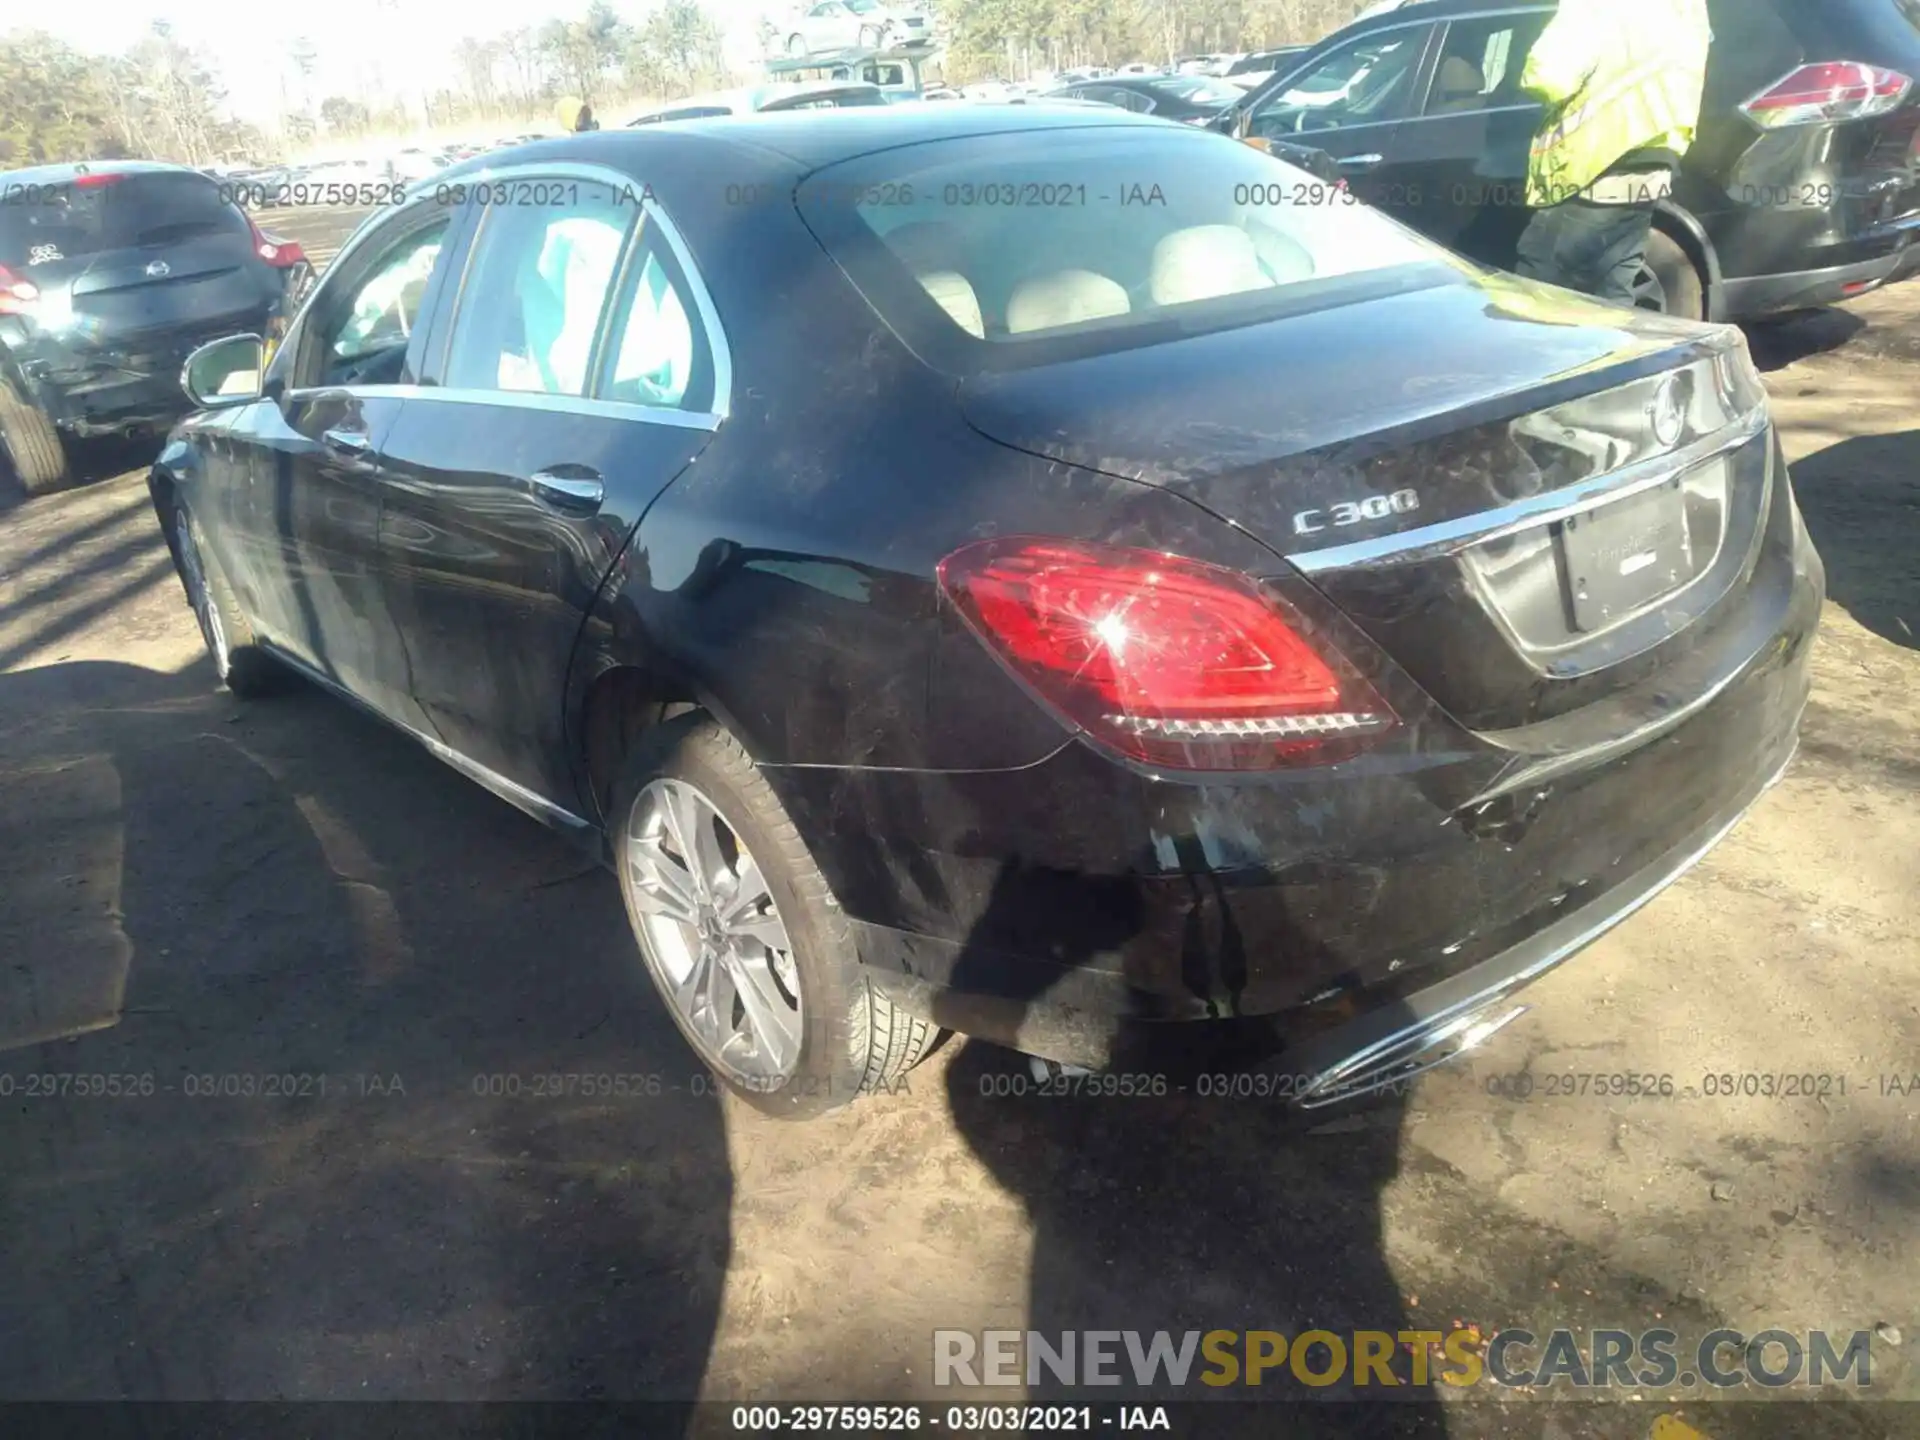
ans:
(193, 889)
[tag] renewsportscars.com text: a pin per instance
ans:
(1462, 1357)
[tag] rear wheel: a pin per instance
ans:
(740, 933)
(243, 667)
(1668, 281)
(796, 45)
(32, 443)
(870, 37)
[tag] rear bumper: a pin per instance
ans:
(1402, 1038)
(121, 387)
(115, 404)
(1096, 1018)
(1074, 908)
(1753, 296)
(1851, 259)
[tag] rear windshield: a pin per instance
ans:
(691, 112)
(68, 222)
(827, 100)
(998, 242)
(1200, 90)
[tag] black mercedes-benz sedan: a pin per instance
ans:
(1056, 576)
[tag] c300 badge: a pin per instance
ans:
(1356, 512)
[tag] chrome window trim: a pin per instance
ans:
(536, 400)
(311, 392)
(1495, 110)
(1431, 542)
(653, 218)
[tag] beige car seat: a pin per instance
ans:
(1206, 261)
(1065, 297)
(1459, 87)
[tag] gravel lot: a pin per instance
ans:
(289, 890)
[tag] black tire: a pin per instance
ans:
(1671, 284)
(854, 1040)
(32, 444)
(242, 666)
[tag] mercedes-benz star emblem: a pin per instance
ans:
(157, 268)
(1668, 411)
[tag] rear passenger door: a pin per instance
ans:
(1469, 143)
(582, 369)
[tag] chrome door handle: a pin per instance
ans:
(1361, 162)
(578, 494)
(350, 442)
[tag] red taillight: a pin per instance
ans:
(1167, 660)
(282, 254)
(17, 296)
(1830, 90)
(94, 179)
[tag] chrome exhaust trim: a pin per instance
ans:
(1412, 1052)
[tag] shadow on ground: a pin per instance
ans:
(1181, 1212)
(90, 461)
(1777, 343)
(347, 1131)
(1861, 500)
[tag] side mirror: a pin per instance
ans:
(225, 372)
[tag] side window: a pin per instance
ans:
(543, 262)
(1115, 95)
(657, 347)
(1364, 82)
(1481, 63)
(363, 330)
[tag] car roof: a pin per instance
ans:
(1413, 10)
(811, 139)
(66, 171)
(748, 99)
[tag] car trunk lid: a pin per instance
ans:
(1532, 503)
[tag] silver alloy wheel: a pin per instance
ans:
(711, 933)
(200, 595)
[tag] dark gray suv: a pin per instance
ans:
(1802, 189)
(110, 274)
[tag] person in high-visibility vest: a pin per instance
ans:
(575, 115)
(1621, 81)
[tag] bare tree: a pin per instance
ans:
(521, 48)
(477, 60)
